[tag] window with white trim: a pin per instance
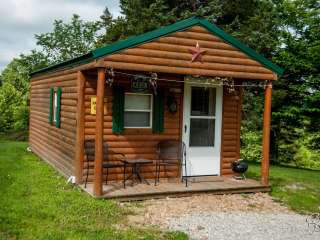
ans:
(137, 110)
(55, 106)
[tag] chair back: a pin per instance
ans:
(169, 151)
(89, 150)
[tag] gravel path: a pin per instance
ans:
(249, 226)
(237, 216)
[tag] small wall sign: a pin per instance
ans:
(139, 84)
(93, 109)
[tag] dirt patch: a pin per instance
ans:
(159, 211)
(296, 186)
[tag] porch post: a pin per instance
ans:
(97, 184)
(79, 152)
(266, 134)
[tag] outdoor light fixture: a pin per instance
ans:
(172, 104)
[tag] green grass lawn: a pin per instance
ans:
(297, 188)
(36, 203)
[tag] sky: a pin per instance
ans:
(20, 20)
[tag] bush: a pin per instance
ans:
(251, 145)
(301, 153)
(307, 158)
(14, 111)
(307, 152)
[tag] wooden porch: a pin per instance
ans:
(98, 189)
(174, 188)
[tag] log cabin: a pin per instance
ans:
(182, 82)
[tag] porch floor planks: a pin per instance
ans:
(140, 191)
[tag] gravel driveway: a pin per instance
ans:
(249, 226)
(237, 216)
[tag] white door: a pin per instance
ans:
(202, 129)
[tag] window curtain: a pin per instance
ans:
(118, 110)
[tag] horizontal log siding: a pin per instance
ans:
(54, 145)
(171, 54)
(134, 143)
(230, 137)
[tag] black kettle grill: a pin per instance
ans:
(239, 166)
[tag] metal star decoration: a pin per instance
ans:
(196, 53)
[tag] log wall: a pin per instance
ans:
(230, 134)
(54, 145)
(57, 146)
(141, 143)
(134, 143)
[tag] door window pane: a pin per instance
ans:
(203, 101)
(202, 132)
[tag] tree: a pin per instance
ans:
(69, 40)
(14, 91)
(137, 17)
(252, 21)
(296, 102)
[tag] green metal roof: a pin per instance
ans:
(149, 36)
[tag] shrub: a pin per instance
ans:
(251, 145)
(13, 109)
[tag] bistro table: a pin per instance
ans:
(136, 169)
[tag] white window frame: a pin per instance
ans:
(55, 105)
(150, 111)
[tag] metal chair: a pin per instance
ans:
(168, 154)
(89, 148)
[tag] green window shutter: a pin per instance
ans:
(158, 112)
(51, 106)
(118, 110)
(59, 93)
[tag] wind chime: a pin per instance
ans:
(229, 84)
(109, 76)
(153, 82)
(230, 88)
